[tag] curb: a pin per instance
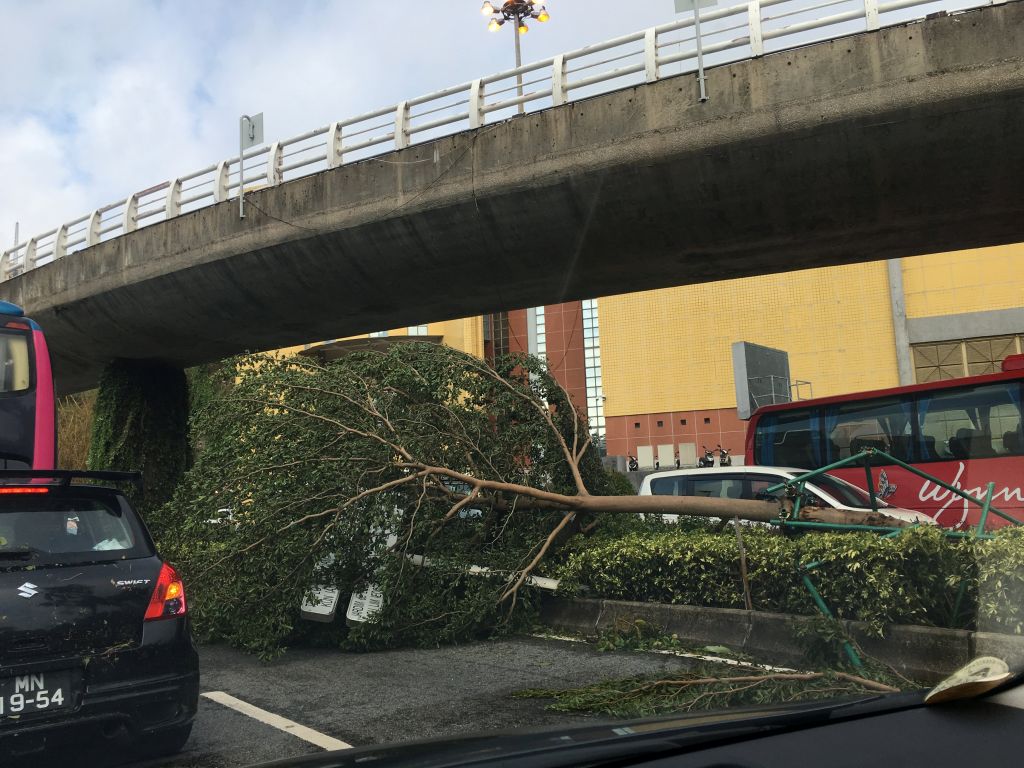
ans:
(927, 653)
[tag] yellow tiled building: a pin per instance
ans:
(667, 359)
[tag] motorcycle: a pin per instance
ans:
(708, 459)
(724, 459)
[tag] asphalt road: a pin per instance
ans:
(377, 698)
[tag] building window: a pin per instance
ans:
(417, 330)
(636, 425)
(379, 335)
(707, 420)
(496, 335)
(682, 422)
(592, 365)
(957, 358)
(661, 423)
(542, 333)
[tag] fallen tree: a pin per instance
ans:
(705, 688)
(462, 462)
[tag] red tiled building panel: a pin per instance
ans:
(713, 427)
(563, 342)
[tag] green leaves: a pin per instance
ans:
(314, 462)
(139, 424)
(916, 578)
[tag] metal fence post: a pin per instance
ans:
(754, 21)
(476, 103)
(334, 145)
(700, 52)
(559, 89)
(989, 492)
(92, 229)
(651, 55)
(220, 181)
(131, 211)
(871, 15)
(274, 158)
(172, 205)
(871, 482)
(819, 601)
(402, 125)
(60, 242)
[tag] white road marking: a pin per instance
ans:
(276, 721)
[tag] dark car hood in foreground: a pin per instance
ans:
(601, 742)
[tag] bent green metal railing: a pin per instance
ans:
(795, 488)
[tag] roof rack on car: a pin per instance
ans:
(66, 476)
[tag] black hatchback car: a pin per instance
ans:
(94, 630)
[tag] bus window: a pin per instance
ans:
(971, 423)
(14, 365)
(789, 439)
(883, 424)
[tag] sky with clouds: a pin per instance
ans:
(102, 98)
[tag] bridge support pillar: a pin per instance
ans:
(141, 423)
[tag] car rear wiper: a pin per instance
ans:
(25, 553)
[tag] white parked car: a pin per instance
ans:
(751, 482)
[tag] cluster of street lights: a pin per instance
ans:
(515, 11)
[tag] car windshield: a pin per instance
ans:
(45, 530)
(458, 345)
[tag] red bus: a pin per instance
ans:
(965, 432)
(28, 435)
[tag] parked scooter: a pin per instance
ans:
(708, 459)
(724, 459)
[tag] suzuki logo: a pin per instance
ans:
(28, 589)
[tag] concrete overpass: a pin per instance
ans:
(889, 143)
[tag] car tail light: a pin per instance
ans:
(168, 600)
(24, 490)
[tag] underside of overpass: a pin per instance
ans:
(904, 141)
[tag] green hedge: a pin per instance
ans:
(911, 579)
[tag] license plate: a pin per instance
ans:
(40, 692)
(322, 606)
(363, 606)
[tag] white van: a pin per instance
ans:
(752, 482)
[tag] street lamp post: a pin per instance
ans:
(516, 11)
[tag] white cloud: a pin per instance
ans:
(110, 97)
(36, 181)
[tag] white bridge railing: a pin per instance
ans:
(728, 34)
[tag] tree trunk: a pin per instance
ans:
(745, 509)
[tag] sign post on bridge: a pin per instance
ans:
(682, 6)
(250, 133)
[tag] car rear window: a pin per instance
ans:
(51, 529)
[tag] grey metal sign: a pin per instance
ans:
(250, 131)
(685, 6)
